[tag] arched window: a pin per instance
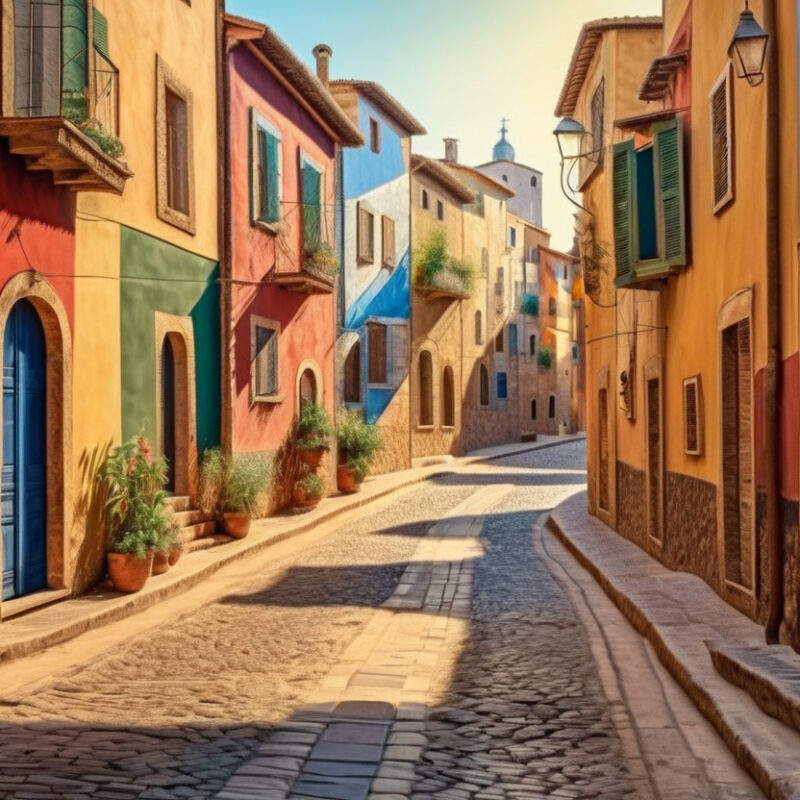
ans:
(533, 409)
(308, 388)
(352, 375)
(483, 388)
(533, 181)
(448, 398)
(478, 328)
(425, 388)
(533, 344)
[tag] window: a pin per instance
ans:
(311, 195)
(512, 237)
(598, 105)
(532, 342)
(484, 260)
(37, 62)
(308, 388)
(512, 339)
(574, 354)
(534, 254)
(425, 389)
(448, 398)
(502, 386)
(533, 409)
(552, 305)
(533, 181)
(265, 178)
(649, 211)
(478, 327)
(264, 384)
(424, 202)
(377, 353)
(174, 164)
(722, 140)
(693, 416)
(498, 342)
(551, 407)
(483, 386)
(505, 178)
(374, 135)
(565, 272)
(439, 210)
(352, 375)
(388, 259)
(366, 235)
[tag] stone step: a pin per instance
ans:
(192, 532)
(770, 674)
(179, 503)
(193, 516)
(206, 542)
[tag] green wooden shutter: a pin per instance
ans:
(668, 144)
(273, 166)
(100, 32)
(311, 206)
(624, 169)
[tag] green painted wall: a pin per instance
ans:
(157, 276)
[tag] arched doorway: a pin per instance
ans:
(308, 388)
(176, 437)
(23, 497)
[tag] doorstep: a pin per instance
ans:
(684, 619)
(27, 633)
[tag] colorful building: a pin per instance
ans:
(283, 131)
(372, 347)
(689, 261)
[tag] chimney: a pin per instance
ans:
(323, 53)
(451, 150)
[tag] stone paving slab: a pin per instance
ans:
(61, 621)
(765, 747)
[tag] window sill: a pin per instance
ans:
(269, 227)
(381, 386)
(425, 427)
(388, 265)
(448, 428)
(365, 262)
(177, 219)
(267, 399)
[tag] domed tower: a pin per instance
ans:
(503, 150)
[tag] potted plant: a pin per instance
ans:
(231, 487)
(314, 430)
(308, 491)
(358, 443)
(163, 551)
(135, 511)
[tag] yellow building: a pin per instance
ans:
(688, 235)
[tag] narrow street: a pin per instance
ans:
(509, 673)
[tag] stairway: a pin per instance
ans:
(196, 531)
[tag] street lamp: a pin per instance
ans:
(748, 47)
(570, 135)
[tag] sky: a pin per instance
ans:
(458, 66)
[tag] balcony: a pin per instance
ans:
(317, 273)
(438, 274)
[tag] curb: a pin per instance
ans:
(775, 787)
(132, 604)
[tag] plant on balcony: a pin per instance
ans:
(93, 129)
(545, 357)
(320, 259)
(529, 304)
(135, 509)
(358, 442)
(436, 270)
(314, 431)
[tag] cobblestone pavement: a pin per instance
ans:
(496, 698)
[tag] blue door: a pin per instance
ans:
(23, 497)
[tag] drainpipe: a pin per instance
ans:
(772, 377)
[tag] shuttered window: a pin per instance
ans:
(311, 183)
(100, 24)
(425, 388)
(177, 119)
(264, 358)
(448, 398)
(649, 190)
(388, 259)
(377, 353)
(483, 386)
(693, 416)
(502, 386)
(722, 140)
(352, 375)
(265, 151)
(366, 235)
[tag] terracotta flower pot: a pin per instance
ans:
(128, 572)
(236, 524)
(346, 479)
(174, 555)
(312, 456)
(302, 499)
(160, 562)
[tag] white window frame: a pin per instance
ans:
(259, 121)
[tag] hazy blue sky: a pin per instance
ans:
(458, 66)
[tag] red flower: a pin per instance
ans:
(123, 506)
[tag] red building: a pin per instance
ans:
(283, 131)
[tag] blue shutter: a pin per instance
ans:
(502, 386)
